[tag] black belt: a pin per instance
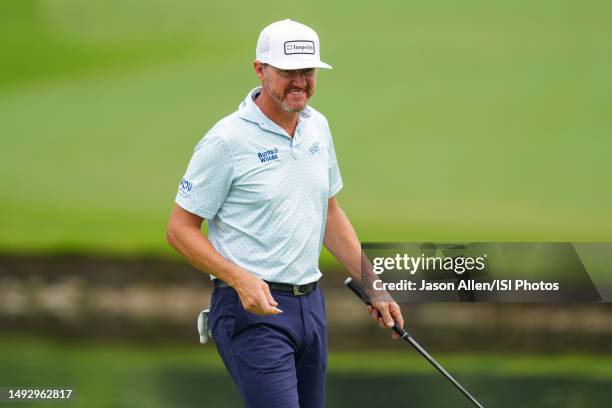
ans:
(297, 290)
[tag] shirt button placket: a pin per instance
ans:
(295, 144)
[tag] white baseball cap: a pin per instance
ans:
(288, 44)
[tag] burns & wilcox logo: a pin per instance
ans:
(268, 155)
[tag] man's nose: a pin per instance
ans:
(299, 79)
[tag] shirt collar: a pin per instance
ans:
(248, 110)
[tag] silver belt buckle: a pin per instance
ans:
(296, 290)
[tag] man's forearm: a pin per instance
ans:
(341, 240)
(197, 249)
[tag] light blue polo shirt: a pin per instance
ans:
(264, 193)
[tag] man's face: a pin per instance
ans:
(291, 89)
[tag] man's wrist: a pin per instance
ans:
(235, 277)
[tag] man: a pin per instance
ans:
(266, 178)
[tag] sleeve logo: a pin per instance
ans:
(185, 186)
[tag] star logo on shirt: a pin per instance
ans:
(314, 149)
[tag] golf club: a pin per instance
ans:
(404, 334)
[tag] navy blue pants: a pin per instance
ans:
(277, 361)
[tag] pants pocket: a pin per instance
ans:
(223, 310)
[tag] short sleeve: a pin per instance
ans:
(335, 180)
(208, 178)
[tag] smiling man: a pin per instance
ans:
(266, 178)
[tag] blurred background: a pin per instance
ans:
(471, 121)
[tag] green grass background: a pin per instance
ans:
(130, 375)
(469, 121)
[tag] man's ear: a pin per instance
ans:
(259, 69)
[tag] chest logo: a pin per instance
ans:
(314, 149)
(268, 155)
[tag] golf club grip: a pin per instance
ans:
(361, 295)
(356, 290)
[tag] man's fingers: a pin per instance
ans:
(265, 310)
(264, 304)
(386, 315)
(271, 310)
(269, 297)
(256, 297)
(372, 312)
(396, 313)
(268, 305)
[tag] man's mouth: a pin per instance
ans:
(296, 92)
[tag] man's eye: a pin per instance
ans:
(288, 72)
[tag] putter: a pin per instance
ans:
(404, 334)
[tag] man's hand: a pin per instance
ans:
(255, 295)
(390, 314)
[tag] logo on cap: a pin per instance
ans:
(299, 47)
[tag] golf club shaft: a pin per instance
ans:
(404, 334)
(441, 369)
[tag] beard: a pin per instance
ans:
(282, 100)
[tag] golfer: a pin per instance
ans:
(265, 178)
